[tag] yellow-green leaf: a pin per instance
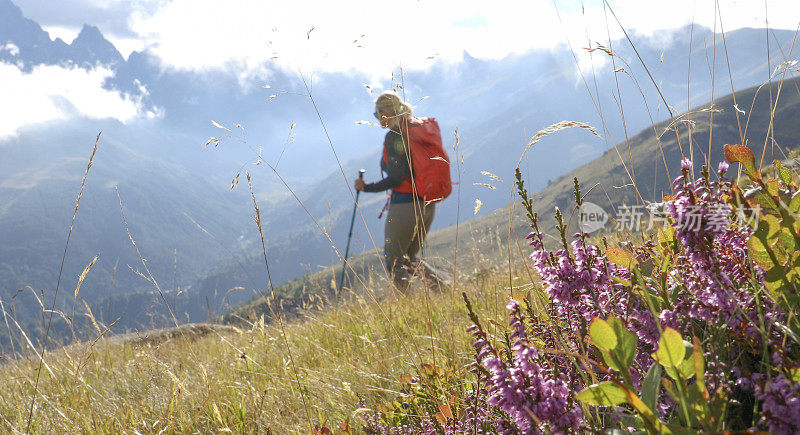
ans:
(647, 415)
(621, 257)
(626, 342)
(787, 240)
(602, 334)
(767, 229)
(784, 173)
(666, 235)
(774, 278)
(686, 368)
(794, 204)
(758, 252)
(758, 197)
(671, 350)
(699, 365)
(773, 186)
(603, 394)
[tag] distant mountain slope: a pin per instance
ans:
(486, 240)
(36, 206)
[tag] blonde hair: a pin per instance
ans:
(390, 102)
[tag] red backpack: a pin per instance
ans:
(429, 161)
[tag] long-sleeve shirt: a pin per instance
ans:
(396, 166)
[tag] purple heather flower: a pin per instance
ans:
(780, 402)
(707, 282)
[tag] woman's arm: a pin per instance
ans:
(390, 182)
(397, 167)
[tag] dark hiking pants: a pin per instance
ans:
(407, 224)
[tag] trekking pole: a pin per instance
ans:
(350, 235)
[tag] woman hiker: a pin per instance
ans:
(409, 216)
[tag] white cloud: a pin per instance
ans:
(126, 46)
(369, 36)
(66, 33)
(54, 92)
(196, 34)
(11, 48)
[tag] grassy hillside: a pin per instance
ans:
(331, 350)
(487, 243)
(253, 380)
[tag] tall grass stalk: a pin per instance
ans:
(279, 316)
(58, 282)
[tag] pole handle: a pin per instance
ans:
(361, 173)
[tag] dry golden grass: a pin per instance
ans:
(241, 380)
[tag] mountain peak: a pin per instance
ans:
(91, 33)
(31, 42)
(91, 46)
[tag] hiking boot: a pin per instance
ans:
(428, 275)
(401, 278)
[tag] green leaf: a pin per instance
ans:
(773, 187)
(784, 173)
(743, 155)
(758, 196)
(699, 363)
(686, 368)
(773, 286)
(624, 282)
(603, 394)
(696, 397)
(787, 240)
(774, 226)
(672, 372)
(667, 235)
(626, 343)
(774, 278)
(652, 424)
(602, 334)
(759, 253)
(763, 244)
(671, 350)
(647, 267)
(794, 204)
(768, 227)
(651, 386)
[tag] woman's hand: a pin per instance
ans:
(360, 183)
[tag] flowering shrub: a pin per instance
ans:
(694, 328)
